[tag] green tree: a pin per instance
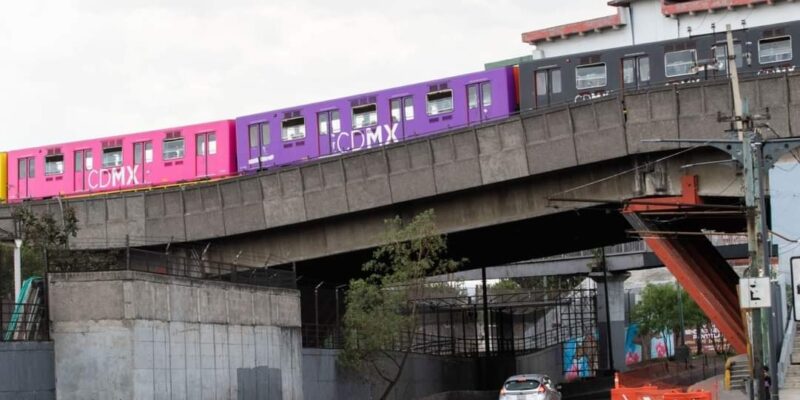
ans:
(659, 311)
(380, 320)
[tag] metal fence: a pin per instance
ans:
(24, 322)
(168, 264)
(519, 322)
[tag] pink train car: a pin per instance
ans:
(125, 162)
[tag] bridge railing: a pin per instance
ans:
(167, 264)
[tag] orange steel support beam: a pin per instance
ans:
(695, 263)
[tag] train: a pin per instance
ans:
(296, 135)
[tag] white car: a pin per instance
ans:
(529, 387)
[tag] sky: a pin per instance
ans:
(78, 69)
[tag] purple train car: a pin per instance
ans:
(373, 119)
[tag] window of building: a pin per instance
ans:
(366, 115)
(293, 129)
(590, 76)
(440, 102)
(721, 55)
(774, 50)
(173, 149)
(112, 157)
(679, 63)
(54, 164)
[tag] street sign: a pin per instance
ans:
(795, 268)
(754, 293)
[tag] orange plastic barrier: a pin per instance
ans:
(654, 393)
(699, 395)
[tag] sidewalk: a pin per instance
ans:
(715, 386)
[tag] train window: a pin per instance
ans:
(23, 168)
(541, 83)
(87, 160)
(112, 157)
(366, 115)
(408, 105)
(173, 149)
(440, 102)
(265, 138)
(721, 55)
(148, 153)
(212, 143)
(486, 94)
(293, 129)
(631, 67)
(329, 122)
(590, 76)
(79, 161)
(472, 96)
(322, 122)
(336, 123)
(679, 63)
(644, 69)
(555, 80)
(774, 50)
(54, 165)
(253, 133)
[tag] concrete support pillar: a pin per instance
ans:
(611, 323)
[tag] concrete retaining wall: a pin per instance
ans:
(549, 362)
(324, 379)
(132, 335)
(26, 371)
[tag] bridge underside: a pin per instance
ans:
(690, 256)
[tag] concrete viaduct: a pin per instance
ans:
(489, 185)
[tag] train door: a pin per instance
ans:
(26, 171)
(547, 86)
(259, 141)
(635, 71)
(329, 126)
(402, 112)
(142, 154)
(206, 146)
(479, 99)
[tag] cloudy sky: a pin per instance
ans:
(75, 69)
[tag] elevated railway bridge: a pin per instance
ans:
(533, 185)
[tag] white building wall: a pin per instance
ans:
(645, 24)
